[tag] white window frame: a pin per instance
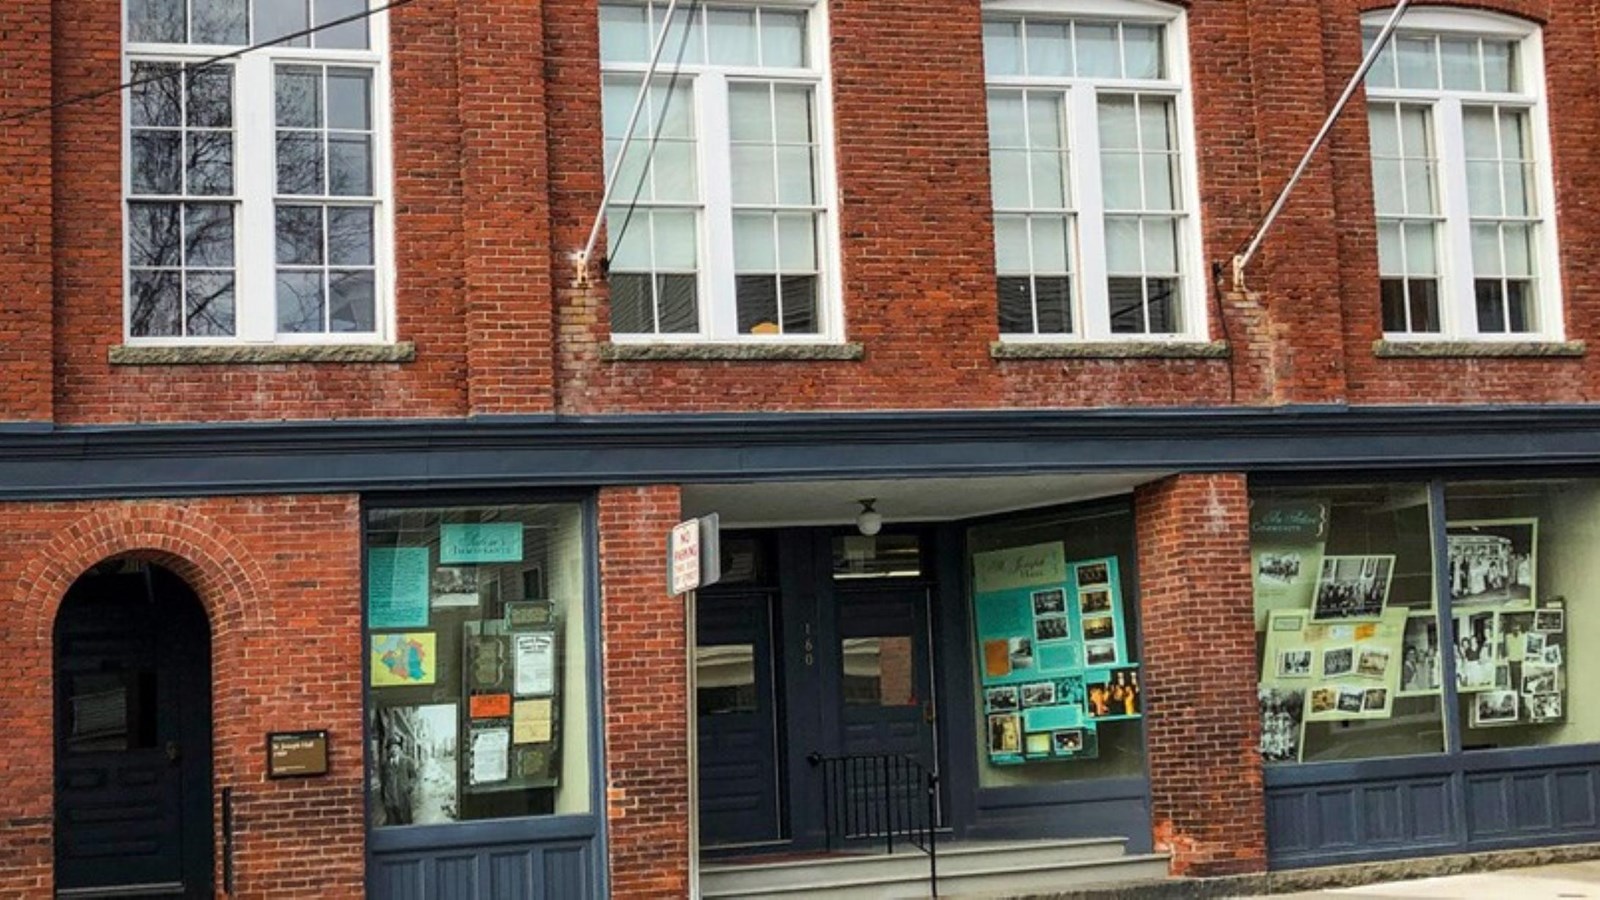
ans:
(717, 302)
(1457, 293)
(255, 186)
(1090, 290)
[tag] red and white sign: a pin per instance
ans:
(683, 553)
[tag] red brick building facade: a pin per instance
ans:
(248, 469)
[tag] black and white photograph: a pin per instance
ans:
(1533, 647)
(1278, 568)
(1419, 660)
(1067, 742)
(1338, 662)
(1550, 621)
(1092, 574)
(1502, 676)
(1005, 734)
(1493, 561)
(417, 781)
(1039, 693)
(453, 586)
(1099, 628)
(1544, 707)
(1375, 699)
(1513, 628)
(1475, 652)
(1353, 587)
(1551, 655)
(1294, 664)
(1095, 601)
(1021, 651)
(1351, 699)
(1103, 653)
(1373, 662)
(1324, 699)
(1494, 708)
(1282, 711)
(1000, 699)
(1538, 678)
(1051, 628)
(1049, 603)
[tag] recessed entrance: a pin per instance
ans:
(132, 737)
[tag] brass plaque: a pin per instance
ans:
(297, 754)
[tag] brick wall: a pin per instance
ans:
(1201, 726)
(279, 579)
(646, 703)
(25, 213)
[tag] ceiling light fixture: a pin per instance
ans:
(869, 522)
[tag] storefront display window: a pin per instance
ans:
(1349, 638)
(1056, 655)
(478, 694)
(1523, 568)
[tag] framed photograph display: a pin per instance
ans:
(1352, 587)
(1493, 561)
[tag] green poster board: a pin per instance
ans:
(471, 543)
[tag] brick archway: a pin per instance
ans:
(230, 584)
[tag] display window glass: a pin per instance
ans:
(1348, 634)
(477, 663)
(1522, 567)
(1056, 676)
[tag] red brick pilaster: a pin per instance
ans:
(646, 696)
(25, 212)
(1206, 791)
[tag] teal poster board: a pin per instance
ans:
(497, 542)
(397, 587)
(1053, 652)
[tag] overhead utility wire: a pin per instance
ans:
(1243, 259)
(202, 64)
(582, 261)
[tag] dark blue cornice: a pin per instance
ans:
(144, 460)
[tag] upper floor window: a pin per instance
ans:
(721, 218)
(1095, 228)
(1461, 179)
(256, 187)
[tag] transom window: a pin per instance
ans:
(1456, 118)
(1095, 234)
(720, 222)
(255, 187)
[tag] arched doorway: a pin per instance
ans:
(132, 736)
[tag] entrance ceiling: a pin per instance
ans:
(906, 500)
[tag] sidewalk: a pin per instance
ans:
(1570, 881)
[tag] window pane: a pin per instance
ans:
(1419, 65)
(300, 302)
(1054, 299)
(757, 297)
(157, 162)
(350, 99)
(1349, 645)
(796, 184)
(1007, 125)
(300, 163)
(349, 36)
(1490, 297)
(1011, 244)
(1160, 181)
(1002, 48)
(1126, 297)
(280, 17)
(210, 164)
(792, 114)
(154, 98)
(1008, 178)
(1161, 246)
(1049, 180)
(628, 237)
(674, 232)
(1498, 72)
(1481, 137)
(1518, 243)
(1047, 128)
(210, 97)
(1049, 244)
(1122, 245)
(1416, 131)
(725, 679)
(299, 97)
(752, 174)
(1141, 48)
(1382, 72)
(1390, 260)
(1486, 250)
(1519, 306)
(1098, 56)
(1155, 124)
(676, 298)
(1161, 305)
(1119, 181)
(799, 304)
(685, 37)
(754, 249)
(1422, 257)
(624, 33)
(750, 112)
(1119, 126)
(673, 167)
(209, 301)
(1049, 49)
(156, 299)
(219, 22)
(1392, 296)
(733, 38)
(631, 309)
(1424, 297)
(1462, 69)
(208, 235)
(350, 236)
(797, 243)
(478, 709)
(153, 234)
(783, 39)
(1016, 304)
(156, 21)
(1419, 186)
(1388, 187)
(351, 301)
(1483, 188)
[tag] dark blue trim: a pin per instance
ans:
(165, 460)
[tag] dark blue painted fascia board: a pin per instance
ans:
(142, 460)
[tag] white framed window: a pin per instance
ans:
(1092, 167)
(721, 225)
(1461, 179)
(256, 189)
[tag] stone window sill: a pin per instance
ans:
(732, 352)
(246, 355)
(1477, 349)
(1109, 350)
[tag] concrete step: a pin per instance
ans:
(988, 869)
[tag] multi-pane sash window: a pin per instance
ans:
(1093, 227)
(719, 219)
(1464, 245)
(255, 193)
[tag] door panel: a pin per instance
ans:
(736, 717)
(132, 731)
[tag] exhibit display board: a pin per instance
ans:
(1053, 651)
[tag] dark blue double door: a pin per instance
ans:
(852, 680)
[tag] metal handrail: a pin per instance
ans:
(881, 796)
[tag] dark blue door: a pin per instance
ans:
(740, 798)
(133, 738)
(886, 701)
